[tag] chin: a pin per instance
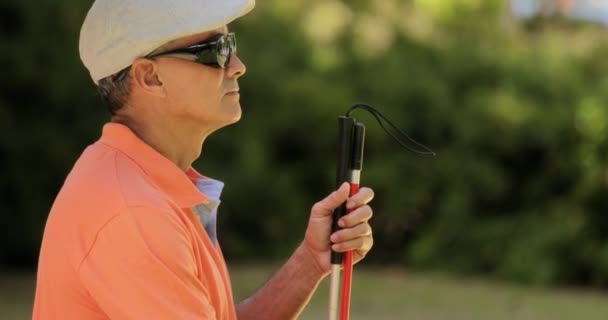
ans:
(235, 113)
(233, 121)
(228, 118)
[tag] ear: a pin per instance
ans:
(144, 73)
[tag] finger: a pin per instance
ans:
(362, 197)
(360, 245)
(344, 235)
(360, 254)
(357, 216)
(326, 206)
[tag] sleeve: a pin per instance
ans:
(142, 266)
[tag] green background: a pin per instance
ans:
(514, 109)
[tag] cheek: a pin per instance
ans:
(209, 89)
(205, 85)
(196, 87)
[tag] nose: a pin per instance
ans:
(236, 67)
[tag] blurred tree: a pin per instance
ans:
(514, 111)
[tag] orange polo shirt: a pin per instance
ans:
(131, 236)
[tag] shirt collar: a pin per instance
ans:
(178, 185)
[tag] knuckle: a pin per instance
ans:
(346, 235)
(317, 206)
(368, 192)
(361, 242)
(367, 209)
(334, 194)
(363, 228)
(359, 211)
(363, 213)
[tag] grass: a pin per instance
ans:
(16, 295)
(390, 294)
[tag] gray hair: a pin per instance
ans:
(115, 91)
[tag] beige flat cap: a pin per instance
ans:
(116, 32)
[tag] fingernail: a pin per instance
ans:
(341, 223)
(335, 247)
(333, 238)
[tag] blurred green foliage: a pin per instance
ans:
(515, 111)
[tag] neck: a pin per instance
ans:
(180, 144)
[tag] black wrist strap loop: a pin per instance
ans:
(401, 137)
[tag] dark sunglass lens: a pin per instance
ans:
(223, 46)
(208, 57)
(222, 61)
(232, 40)
(224, 50)
(218, 55)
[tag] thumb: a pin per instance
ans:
(326, 206)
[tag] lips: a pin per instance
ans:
(233, 91)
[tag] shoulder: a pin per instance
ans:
(103, 184)
(105, 180)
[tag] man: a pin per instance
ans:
(131, 234)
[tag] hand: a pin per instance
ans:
(356, 233)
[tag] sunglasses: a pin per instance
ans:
(215, 53)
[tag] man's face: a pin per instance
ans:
(200, 93)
